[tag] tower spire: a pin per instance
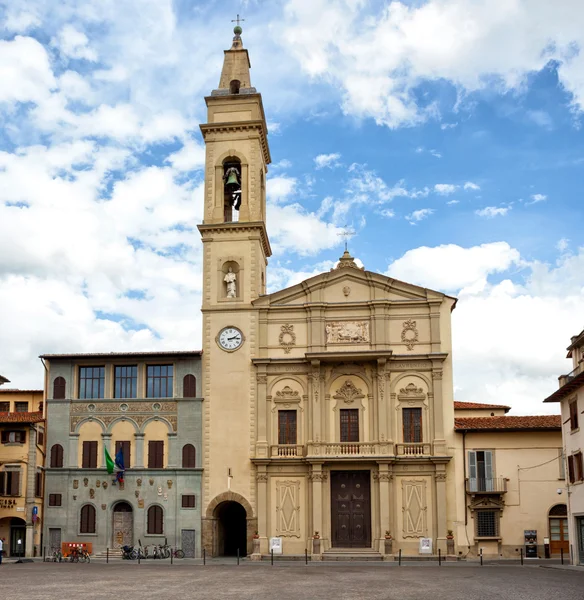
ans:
(235, 77)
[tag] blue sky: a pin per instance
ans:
(446, 133)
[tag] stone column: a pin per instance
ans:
(317, 477)
(439, 441)
(139, 451)
(314, 431)
(74, 450)
(384, 477)
(172, 460)
(262, 427)
(106, 439)
(441, 516)
(262, 510)
(381, 413)
(30, 491)
(245, 195)
(219, 195)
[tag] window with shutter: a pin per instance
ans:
(89, 459)
(574, 415)
(412, 421)
(59, 388)
(155, 520)
(188, 501)
(571, 468)
(56, 456)
(4, 406)
(287, 427)
(87, 519)
(155, 454)
(125, 446)
(189, 386)
(41, 437)
(54, 499)
(2, 483)
(38, 485)
(480, 471)
(13, 483)
(349, 424)
(189, 457)
(578, 467)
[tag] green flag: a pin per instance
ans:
(109, 463)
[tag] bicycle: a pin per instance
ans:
(54, 556)
(84, 556)
(178, 553)
(74, 555)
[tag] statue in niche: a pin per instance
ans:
(230, 279)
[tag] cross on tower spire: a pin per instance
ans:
(347, 233)
(237, 20)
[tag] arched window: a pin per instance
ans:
(155, 520)
(189, 457)
(59, 388)
(87, 521)
(234, 86)
(56, 456)
(189, 386)
(232, 189)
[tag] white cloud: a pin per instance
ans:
(563, 244)
(493, 211)
(444, 189)
(452, 202)
(469, 185)
(419, 215)
(280, 188)
(541, 118)
(537, 198)
(388, 213)
(448, 126)
(435, 153)
(327, 160)
(190, 157)
(73, 43)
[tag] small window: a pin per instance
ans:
(125, 447)
(56, 456)
(286, 427)
(188, 500)
(234, 86)
(562, 463)
(89, 455)
(189, 457)
(54, 499)
(41, 436)
(578, 467)
(13, 437)
(4, 406)
(155, 520)
(21, 407)
(487, 523)
(574, 415)
(59, 388)
(412, 418)
(349, 424)
(155, 454)
(159, 381)
(126, 382)
(87, 519)
(91, 382)
(38, 485)
(189, 386)
(571, 471)
(10, 483)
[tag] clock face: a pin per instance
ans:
(230, 338)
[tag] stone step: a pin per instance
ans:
(351, 555)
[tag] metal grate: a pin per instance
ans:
(487, 523)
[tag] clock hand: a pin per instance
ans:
(235, 337)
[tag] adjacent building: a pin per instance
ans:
(22, 456)
(148, 405)
(570, 395)
(510, 469)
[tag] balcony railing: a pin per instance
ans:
(413, 449)
(349, 449)
(287, 451)
(567, 378)
(493, 485)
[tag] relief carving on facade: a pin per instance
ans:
(262, 477)
(322, 476)
(383, 476)
(288, 508)
(414, 508)
(287, 394)
(347, 332)
(411, 392)
(287, 338)
(348, 393)
(409, 335)
(114, 407)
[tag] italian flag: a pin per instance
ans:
(115, 466)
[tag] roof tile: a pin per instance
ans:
(21, 417)
(478, 405)
(508, 423)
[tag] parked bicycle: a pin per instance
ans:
(128, 553)
(178, 553)
(84, 556)
(55, 556)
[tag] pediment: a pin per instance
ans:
(349, 286)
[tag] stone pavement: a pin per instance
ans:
(285, 581)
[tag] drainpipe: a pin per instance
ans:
(464, 479)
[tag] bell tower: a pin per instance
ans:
(235, 253)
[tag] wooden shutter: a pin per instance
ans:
(155, 520)
(13, 483)
(287, 427)
(349, 424)
(188, 501)
(472, 470)
(56, 456)
(89, 455)
(574, 415)
(87, 524)
(189, 457)
(2, 483)
(412, 424)
(38, 485)
(59, 388)
(571, 468)
(54, 499)
(125, 446)
(155, 454)
(189, 386)
(578, 467)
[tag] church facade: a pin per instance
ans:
(328, 419)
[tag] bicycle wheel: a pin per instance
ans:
(134, 554)
(81, 559)
(87, 559)
(179, 554)
(165, 553)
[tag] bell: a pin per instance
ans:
(232, 180)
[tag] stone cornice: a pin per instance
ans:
(256, 226)
(231, 126)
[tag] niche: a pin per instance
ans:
(234, 86)
(230, 280)
(231, 189)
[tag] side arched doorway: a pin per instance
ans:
(17, 534)
(231, 529)
(558, 521)
(123, 525)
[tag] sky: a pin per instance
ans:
(447, 134)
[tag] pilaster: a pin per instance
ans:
(106, 439)
(139, 450)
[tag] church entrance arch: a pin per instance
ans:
(231, 529)
(123, 525)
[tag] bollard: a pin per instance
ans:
(272, 556)
(238, 556)
(305, 556)
(521, 555)
(139, 556)
(399, 558)
(562, 555)
(107, 555)
(204, 556)
(171, 555)
(439, 558)
(44, 553)
(481, 557)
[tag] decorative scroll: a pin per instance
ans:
(288, 508)
(347, 332)
(287, 394)
(348, 393)
(409, 335)
(414, 508)
(287, 337)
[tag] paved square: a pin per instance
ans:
(290, 581)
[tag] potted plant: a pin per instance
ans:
(256, 534)
(388, 546)
(316, 536)
(449, 535)
(387, 535)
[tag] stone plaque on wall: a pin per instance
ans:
(347, 332)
